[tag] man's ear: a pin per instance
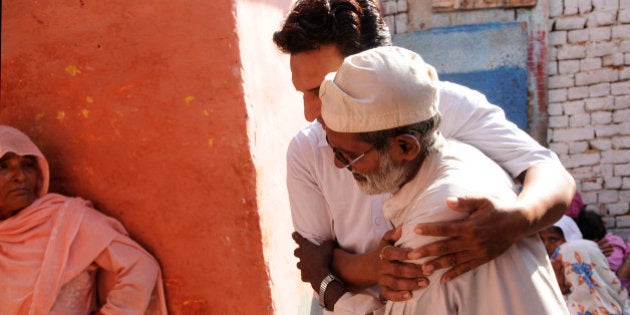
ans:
(405, 147)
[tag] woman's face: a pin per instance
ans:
(552, 239)
(19, 176)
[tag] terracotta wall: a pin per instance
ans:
(140, 107)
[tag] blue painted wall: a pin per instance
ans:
(491, 58)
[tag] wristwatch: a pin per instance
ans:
(322, 289)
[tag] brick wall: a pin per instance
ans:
(589, 101)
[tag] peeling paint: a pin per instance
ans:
(206, 112)
(39, 116)
(85, 113)
(211, 142)
(189, 99)
(72, 70)
(89, 100)
(61, 115)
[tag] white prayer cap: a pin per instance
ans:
(569, 228)
(378, 89)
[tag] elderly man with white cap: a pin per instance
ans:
(381, 116)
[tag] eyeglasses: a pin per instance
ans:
(339, 155)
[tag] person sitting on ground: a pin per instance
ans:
(593, 228)
(582, 272)
(381, 115)
(60, 256)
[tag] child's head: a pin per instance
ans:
(552, 238)
(565, 230)
(591, 225)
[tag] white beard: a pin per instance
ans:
(389, 177)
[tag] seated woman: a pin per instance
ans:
(60, 256)
(588, 284)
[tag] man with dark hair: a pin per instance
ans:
(354, 252)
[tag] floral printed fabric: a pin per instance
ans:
(594, 288)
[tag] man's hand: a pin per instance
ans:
(314, 261)
(488, 232)
(395, 278)
(606, 247)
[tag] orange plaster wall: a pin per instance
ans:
(138, 106)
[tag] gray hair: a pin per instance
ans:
(425, 131)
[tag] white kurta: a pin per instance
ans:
(327, 204)
(520, 281)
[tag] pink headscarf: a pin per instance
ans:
(51, 241)
(576, 206)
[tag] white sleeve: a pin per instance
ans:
(468, 117)
(134, 274)
(309, 209)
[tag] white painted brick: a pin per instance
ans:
(560, 81)
(592, 185)
(555, 8)
(624, 46)
(622, 115)
(555, 109)
(624, 74)
(572, 108)
(578, 93)
(599, 49)
(588, 197)
(601, 118)
(597, 76)
(601, 18)
(604, 170)
(578, 147)
(401, 5)
(568, 66)
(590, 64)
(598, 90)
(626, 183)
(552, 68)
(622, 102)
(622, 142)
(624, 4)
(579, 120)
(559, 147)
(613, 60)
(570, 23)
(570, 7)
(571, 52)
(612, 183)
(585, 6)
(620, 88)
(401, 23)
(558, 95)
(391, 23)
(559, 37)
(616, 156)
(606, 130)
(624, 128)
(580, 173)
(608, 196)
(601, 144)
(626, 59)
(623, 221)
(625, 195)
(558, 121)
(621, 31)
(605, 5)
(618, 208)
(600, 103)
(578, 36)
(624, 16)
(388, 8)
(553, 53)
(574, 134)
(599, 33)
(622, 170)
(576, 160)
